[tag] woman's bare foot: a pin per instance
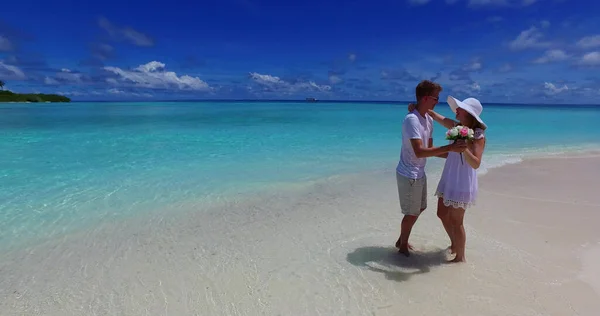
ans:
(457, 260)
(451, 249)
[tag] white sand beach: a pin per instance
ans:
(533, 248)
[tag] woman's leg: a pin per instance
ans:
(457, 216)
(443, 212)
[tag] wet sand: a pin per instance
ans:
(327, 248)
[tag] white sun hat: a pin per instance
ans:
(471, 105)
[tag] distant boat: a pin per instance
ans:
(311, 100)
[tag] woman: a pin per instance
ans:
(457, 189)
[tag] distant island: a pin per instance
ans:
(9, 96)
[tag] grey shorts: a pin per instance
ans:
(412, 194)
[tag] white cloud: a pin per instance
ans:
(334, 79)
(487, 2)
(418, 2)
(153, 75)
(495, 19)
(275, 83)
(530, 38)
(587, 92)
(116, 91)
(475, 87)
(50, 81)
(590, 59)
(266, 79)
(102, 51)
(464, 72)
(125, 33)
(589, 41)
(506, 68)
(553, 55)
(72, 93)
(352, 57)
(66, 76)
(472, 88)
(11, 72)
(552, 89)
(151, 66)
(473, 66)
(501, 2)
(69, 76)
(545, 24)
(5, 44)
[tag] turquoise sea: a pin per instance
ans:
(70, 166)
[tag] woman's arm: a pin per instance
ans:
(474, 157)
(444, 121)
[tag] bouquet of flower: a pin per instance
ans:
(460, 132)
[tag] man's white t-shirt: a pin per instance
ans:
(414, 126)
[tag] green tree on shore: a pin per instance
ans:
(2, 85)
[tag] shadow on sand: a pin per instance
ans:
(393, 265)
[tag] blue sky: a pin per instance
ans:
(535, 51)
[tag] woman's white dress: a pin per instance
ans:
(458, 184)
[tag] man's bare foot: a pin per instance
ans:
(404, 249)
(399, 245)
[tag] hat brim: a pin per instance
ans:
(454, 104)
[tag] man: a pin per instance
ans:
(417, 145)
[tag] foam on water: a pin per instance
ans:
(69, 167)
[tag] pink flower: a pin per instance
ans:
(464, 132)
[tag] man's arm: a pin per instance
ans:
(422, 152)
(412, 129)
(444, 155)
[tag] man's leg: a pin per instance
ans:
(405, 228)
(410, 192)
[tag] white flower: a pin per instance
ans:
(471, 133)
(454, 131)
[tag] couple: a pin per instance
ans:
(457, 188)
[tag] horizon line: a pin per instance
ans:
(318, 101)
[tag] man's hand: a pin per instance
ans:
(458, 146)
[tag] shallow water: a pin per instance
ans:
(68, 167)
